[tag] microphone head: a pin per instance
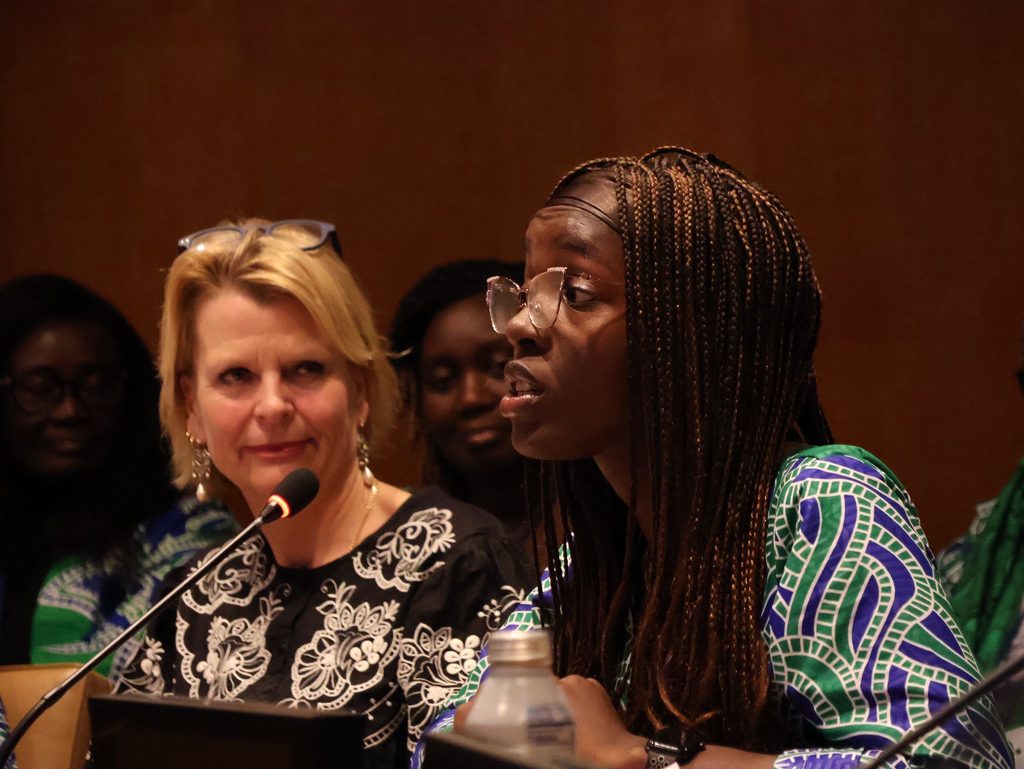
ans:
(293, 493)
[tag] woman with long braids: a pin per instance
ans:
(740, 588)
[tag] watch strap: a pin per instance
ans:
(673, 745)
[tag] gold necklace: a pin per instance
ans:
(366, 514)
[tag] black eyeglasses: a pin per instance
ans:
(42, 390)
(307, 234)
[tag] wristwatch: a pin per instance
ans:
(672, 745)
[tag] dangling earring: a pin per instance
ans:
(363, 454)
(200, 467)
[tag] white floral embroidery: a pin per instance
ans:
(397, 560)
(361, 654)
(146, 674)
(236, 652)
(382, 709)
(352, 652)
(495, 610)
(243, 575)
(433, 666)
(461, 657)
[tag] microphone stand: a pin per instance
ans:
(271, 513)
(987, 684)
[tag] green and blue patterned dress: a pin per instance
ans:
(75, 616)
(983, 573)
(861, 640)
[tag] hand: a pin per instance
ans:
(462, 713)
(601, 737)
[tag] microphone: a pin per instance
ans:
(292, 494)
(1001, 674)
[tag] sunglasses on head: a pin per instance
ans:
(307, 234)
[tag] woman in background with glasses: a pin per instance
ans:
(451, 366)
(90, 521)
(371, 600)
(742, 591)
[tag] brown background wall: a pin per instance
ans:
(430, 131)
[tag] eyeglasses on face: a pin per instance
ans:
(547, 293)
(307, 234)
(42, 390)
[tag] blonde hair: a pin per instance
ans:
(269, 267)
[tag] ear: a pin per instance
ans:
(194, 425)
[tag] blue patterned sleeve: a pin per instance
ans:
(861, 638)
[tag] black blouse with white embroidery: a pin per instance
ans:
(390, 630)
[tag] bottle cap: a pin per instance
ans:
(520, 646)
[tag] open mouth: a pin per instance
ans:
(520, 380)
(517, 388)
(523, 389)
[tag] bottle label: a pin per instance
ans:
(550, 725)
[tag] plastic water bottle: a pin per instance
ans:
(520, 705)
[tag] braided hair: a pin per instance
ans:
(722, 317)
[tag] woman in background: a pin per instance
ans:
(90, 519)
(452, 373)
(983, 572)
(741, 589)
(372, 600)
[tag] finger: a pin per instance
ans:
(461, 713)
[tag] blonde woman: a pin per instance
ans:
(373, 599)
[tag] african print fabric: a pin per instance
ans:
(861, 640)
(983, 573)
(83, 604)
(390, 629)
(5, 730)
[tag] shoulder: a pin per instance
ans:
(452, 560)
(187, 518)
(861, 637)
(854, 469)
(439, 541)
(174, 537)
(842, 499)
(838, 479)
(465, 521)
(950, 562)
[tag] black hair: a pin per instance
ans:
(440, 288)
(437, 290)
(135, 483)
(722, 318)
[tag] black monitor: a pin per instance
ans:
(455, 751)
(139, 732)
